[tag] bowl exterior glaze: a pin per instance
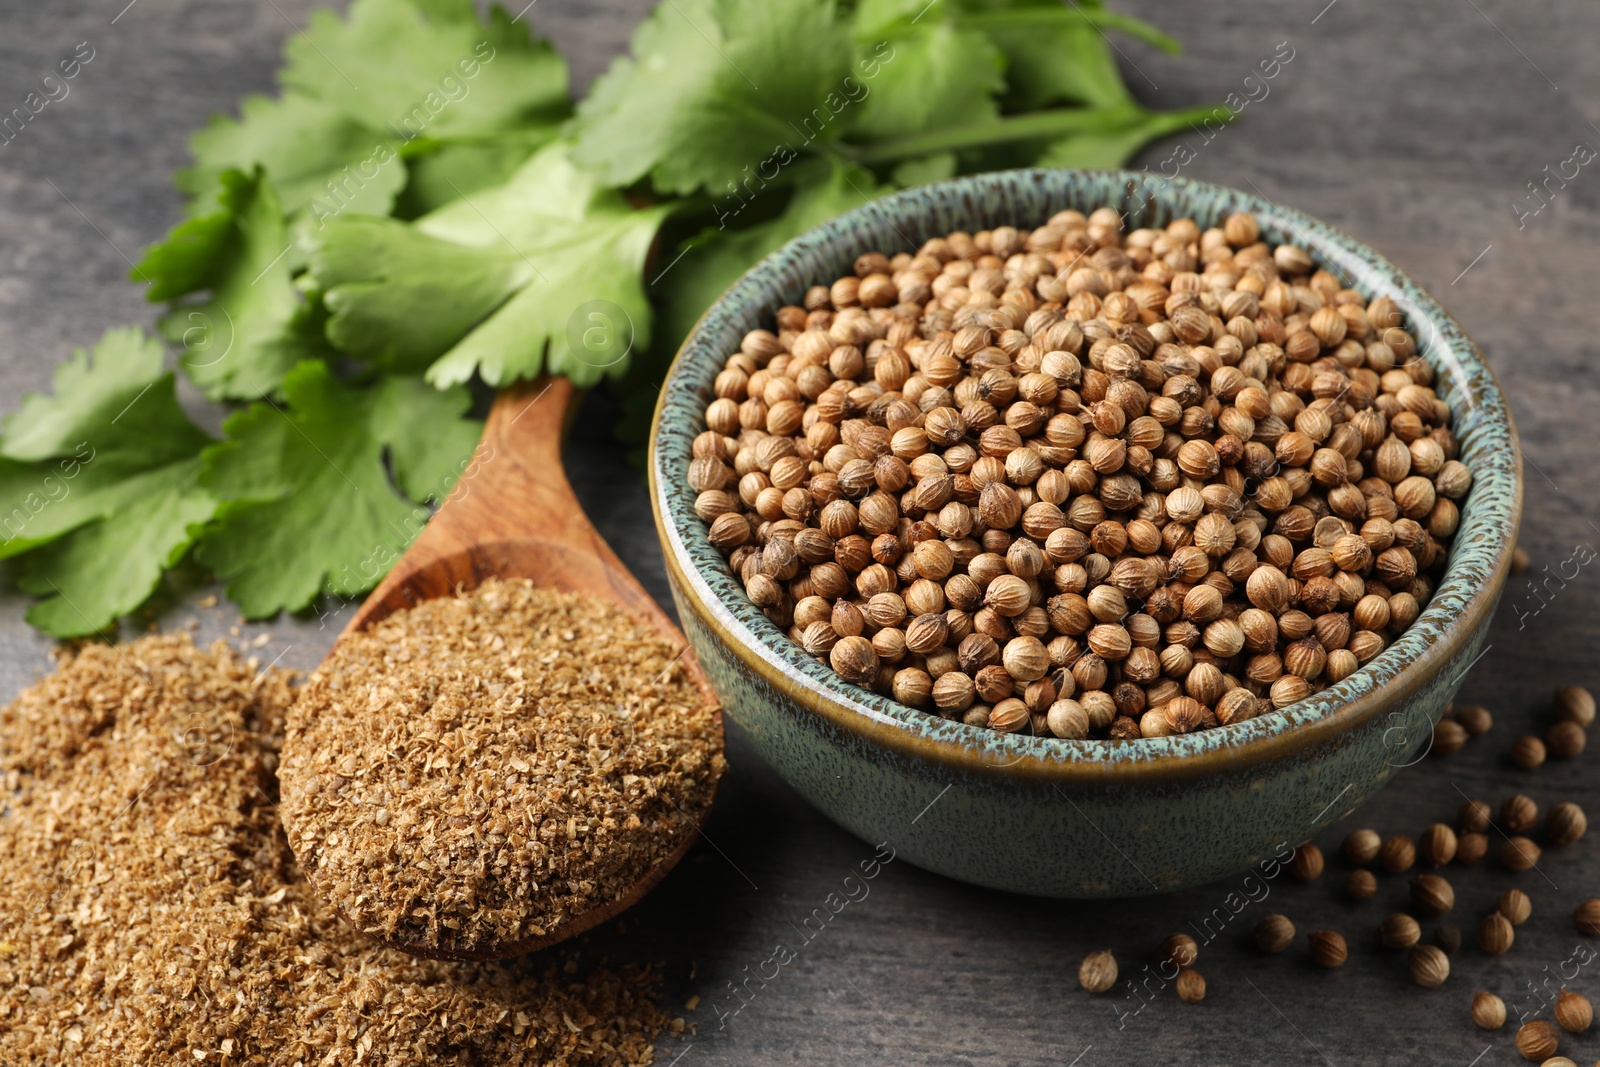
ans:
(1081, 818)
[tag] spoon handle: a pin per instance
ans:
(512, 514)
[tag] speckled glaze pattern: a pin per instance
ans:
(1080, 818)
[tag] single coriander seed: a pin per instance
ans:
(1518, 814)
(1564, 824)
(1474, 817)
(1519, 854)
(1438, 845)
(1399, 931)
(1471, 848)
(1565, 740)
(1360, 884)
(1528, 753)
(1495, 934)
(1274, 933)
(1327, 948)
(1573, 1012)
(1448, 937)
(1488, 1011)
(1586, 917)
(1574, 703)
(1397, 853)
(1306, 866)
(1475, 719)
(1180, 950)
(1098, 972)
(1191, 986)
(1361, 847)
(1448, 737)
(1429, 966)
(1432, 894)
(1515, 905)
(1537, 1040)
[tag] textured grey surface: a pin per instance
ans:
(1414, 127)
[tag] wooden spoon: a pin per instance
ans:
(513, 515)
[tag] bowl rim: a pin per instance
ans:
(1456, 614)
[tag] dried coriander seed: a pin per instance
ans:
(1515, 905)
(1518, 814)
(1327, 948)
(1448, 937)
(1573, 1012)
(1565, 740)
(1191, 986)
(1565, 823)
(1488, 1011)
(1429, 966)
(1519, 853)
(1471, 848)
(1448, 737)
(1474, 817)
(1274, 933)
(1361, 847)
(1399, 931)
(1438, 845)
(1360, 884)
(1495, 934)
(1528, 753)
(1537, 1040)
(1180, 950)
(1307, 864)
(1574, 703)
(1098, 972)
(1475, 719)
(1586, 917)
(1397, 853)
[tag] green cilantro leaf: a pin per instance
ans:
(934, 76)
(432, 70)
(314, 152)
(447, 171)
(1110, 136)
(240, 341)
(713, 86)
(310, 504)
(541, 275)
(98, 485)
(1055, 53)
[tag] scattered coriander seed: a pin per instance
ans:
(1361, 847)
(1399, 931)
(1519, 853)
(1574, 703)
(1528, 753)
(1495, 934)
(1098, 972)
(1360, 884)
(1448, 737)
(1471, 848)
(1558, 1061)
(1488, 1011)
(1586, 917)
(1030, 438)
(1519, 560)
(1179, 949)
(1432, 894)
(1565, 823)
(1429, 966)
(1515, 905)
(1519, 814)
(1191, 986)
(1448, 937)
(1438, 845)
(1327, 948)
(1565, 740)
(1537, 1040)
(1573, 1012)
(1475, 719)
(1397, 853)
(1274, 933)
(1474, 817)
(1306, 866)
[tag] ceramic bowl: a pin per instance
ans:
(1081, 818)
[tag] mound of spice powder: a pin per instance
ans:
(473, 772)
(152, 912)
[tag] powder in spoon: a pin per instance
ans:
(152, 913)
(471, 773)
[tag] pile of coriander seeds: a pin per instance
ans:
(1083, 482)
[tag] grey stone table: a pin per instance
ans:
(1416, 127)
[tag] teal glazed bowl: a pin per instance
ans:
(1081, 818)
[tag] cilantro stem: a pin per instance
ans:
(1037, 125)
(1028, 17)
